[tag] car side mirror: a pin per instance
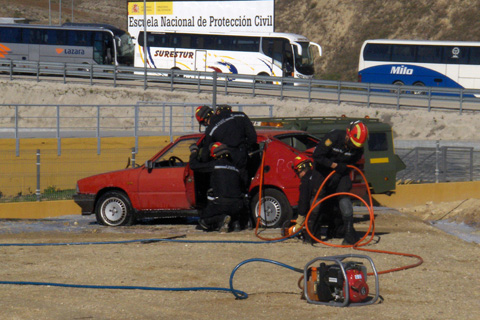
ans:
(149, 165)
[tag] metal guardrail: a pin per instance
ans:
(97, 121)
(430, 98)
(439, 164)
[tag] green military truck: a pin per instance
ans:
(381, 164)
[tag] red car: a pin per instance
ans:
(166, 185)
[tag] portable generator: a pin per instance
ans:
(339, 283)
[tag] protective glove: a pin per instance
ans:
(193, 148)
(298, 223)
(341, 168)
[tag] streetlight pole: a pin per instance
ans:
(145, 41)
(72, 11)
(50, 12)
(60, 13)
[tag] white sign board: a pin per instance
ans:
(202, 16)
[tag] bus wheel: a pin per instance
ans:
(397, 83)
(419, 84)
(263, 74)
(174, 73)
(275, 208)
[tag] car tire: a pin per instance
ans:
(275, 208)
(114, 209)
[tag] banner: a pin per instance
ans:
(202, 16)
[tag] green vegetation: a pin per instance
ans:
(49, 194)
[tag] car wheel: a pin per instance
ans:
(275, 209)
(114, 209)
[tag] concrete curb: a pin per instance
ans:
(404, 196)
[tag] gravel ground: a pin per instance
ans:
(443, 287)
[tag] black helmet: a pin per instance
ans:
(203, 113)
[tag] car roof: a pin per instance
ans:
(266, 133)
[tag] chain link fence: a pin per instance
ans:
(37, 175)
(439, 164)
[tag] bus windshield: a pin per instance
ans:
(304, 61)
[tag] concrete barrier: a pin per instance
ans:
(405, 196)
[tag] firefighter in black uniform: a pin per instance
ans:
(225, 196)
(310, 181)
(334, 152)
(236, 131)
(233, 129)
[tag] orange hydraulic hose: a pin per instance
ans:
(360, 243)
(259, 212)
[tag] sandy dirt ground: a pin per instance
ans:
(445, 286)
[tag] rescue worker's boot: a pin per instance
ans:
(350, 237)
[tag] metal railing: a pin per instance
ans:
(439, 164)
(429, 98)
(98, 121)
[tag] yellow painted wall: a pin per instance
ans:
(38, 210)
(78, 159)
(418, 194)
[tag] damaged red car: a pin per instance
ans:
(165, 186)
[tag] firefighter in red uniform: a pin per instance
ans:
(334, 152)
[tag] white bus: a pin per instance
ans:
(70, 43)
(267, 54)
(452, 64)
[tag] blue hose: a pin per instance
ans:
(237, 293)
(133, 241)
(243, 295)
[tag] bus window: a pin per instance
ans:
(247, 44)
(12, 35)
(474, 55)
(429, 54)
(405, 53)
(224, 43)
(79, 38)
(377, 52)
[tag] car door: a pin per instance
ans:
(162, 187)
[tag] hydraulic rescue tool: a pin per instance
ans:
(339, 283)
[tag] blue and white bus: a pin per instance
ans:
(450, 64)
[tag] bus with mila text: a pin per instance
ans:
(449, 64)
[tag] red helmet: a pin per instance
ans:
(301, 162)
(218, 149)
(203, 113)
(357, 133)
